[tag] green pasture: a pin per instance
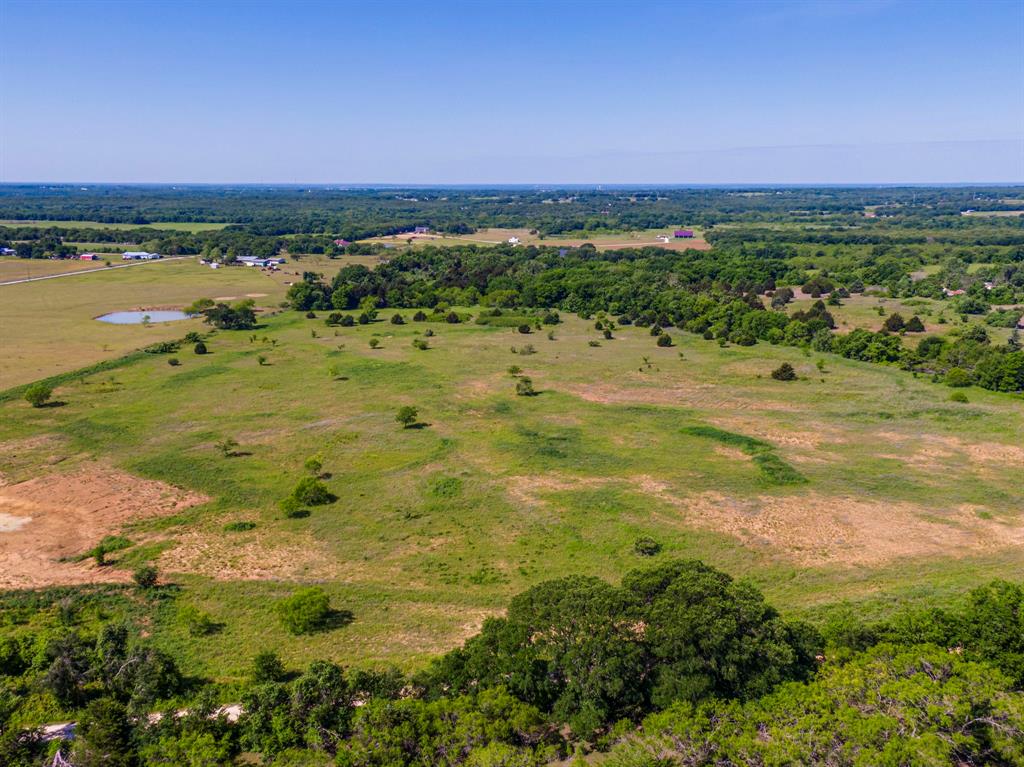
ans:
(438, 526)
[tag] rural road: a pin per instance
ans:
(89, 271)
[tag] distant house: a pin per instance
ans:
(513, 240)
(342, 243)
(261, 262)
(682, 233)
(421, 230)
(88, 257)
(662, 238)
(139, 255)
(7, 251)
(562, 252)
(957, 292)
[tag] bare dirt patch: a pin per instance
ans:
(67, 514)
(637, 391)
(816, 529)
(810, 529)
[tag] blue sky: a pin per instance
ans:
(502, 92)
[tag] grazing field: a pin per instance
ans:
(55, 319)
(178, 226)
(856, 482)
(603, 241)
(13, 268)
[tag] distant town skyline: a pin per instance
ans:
(512, 93)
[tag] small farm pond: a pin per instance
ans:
(137, 318)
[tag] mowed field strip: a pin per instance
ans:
(900, 491)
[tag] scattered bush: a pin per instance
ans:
(199, 348)
(305, 611)
(452, 318)
(420, 316)
(374, 342)
(195, 621)
(38, 394)
(310, 315)
(310, 491)
(145, 577)
(174, 362)
(419, 343)
(267, 667)
(525, 329)
(914, 325)
(514, 370)
(397, 319)
(646, 547)
(664, 340)
(314, 465)
(347, 321)
(524, 387)
(957, 378)
(784, 372)
(239, 527)
(958, 396)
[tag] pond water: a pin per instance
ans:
(136, 318)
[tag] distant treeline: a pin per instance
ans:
(729, 295)
(360, 213)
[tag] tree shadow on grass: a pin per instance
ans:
(52, 403)
(337, 619)
(418, 425)
(237, 454)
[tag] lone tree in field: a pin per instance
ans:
(784, 372)
(199, 348)
(664, 340)
(38, 394)
(407, 416)
(305, 611)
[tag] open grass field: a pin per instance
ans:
(635, 239)
(49, 326)
(858, 483)
(13, 268)
(178, 226)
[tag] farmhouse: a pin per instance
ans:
(261, 262)
(421, 230)
(342, 243)
(88, 257)
(513, 240)
(683, 233)
(663, 238)
(957, 292)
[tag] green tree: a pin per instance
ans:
(784, 372)
(524, 387)
(38, 394)
(103, 737)
(407, 416)
(305, 611)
